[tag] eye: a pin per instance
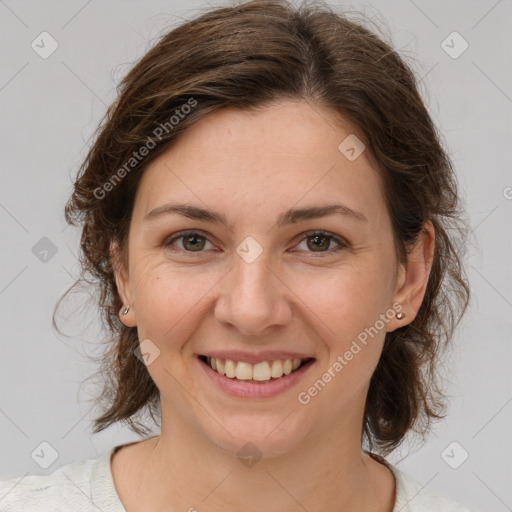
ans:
(321, 240)
(316, 241)
(193, 241)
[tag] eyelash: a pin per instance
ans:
(342, 243)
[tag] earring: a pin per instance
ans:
(399, 315)
(125, 310)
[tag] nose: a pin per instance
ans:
(254, 298)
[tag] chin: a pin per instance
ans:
(260, 438)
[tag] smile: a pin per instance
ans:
(263, 372)
(261, 380)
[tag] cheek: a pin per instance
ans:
(170, 302)
(349, 297)
(347, 306)
(346, 309)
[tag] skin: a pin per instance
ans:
(252, 167)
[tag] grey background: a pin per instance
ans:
(51, 106)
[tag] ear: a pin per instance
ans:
(123, 285)
(413, 277)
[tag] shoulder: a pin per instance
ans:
(413, 496)
(79, 486)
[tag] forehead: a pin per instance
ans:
(286, 154)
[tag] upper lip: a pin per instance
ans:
(254, 358)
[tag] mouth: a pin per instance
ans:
(262, 372)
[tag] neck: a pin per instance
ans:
(184, 468)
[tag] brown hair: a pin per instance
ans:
(248, 56)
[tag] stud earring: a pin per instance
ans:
(399, 315)
(125, 310)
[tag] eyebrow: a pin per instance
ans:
(291, 216)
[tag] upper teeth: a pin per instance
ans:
(260, 371)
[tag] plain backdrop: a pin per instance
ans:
(50, 107)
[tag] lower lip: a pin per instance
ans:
(246, 389)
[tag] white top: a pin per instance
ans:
(88, 485)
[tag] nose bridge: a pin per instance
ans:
(252, 299)
(252, 274)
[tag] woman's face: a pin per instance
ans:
(263, 286)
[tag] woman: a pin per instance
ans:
(265, 211)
